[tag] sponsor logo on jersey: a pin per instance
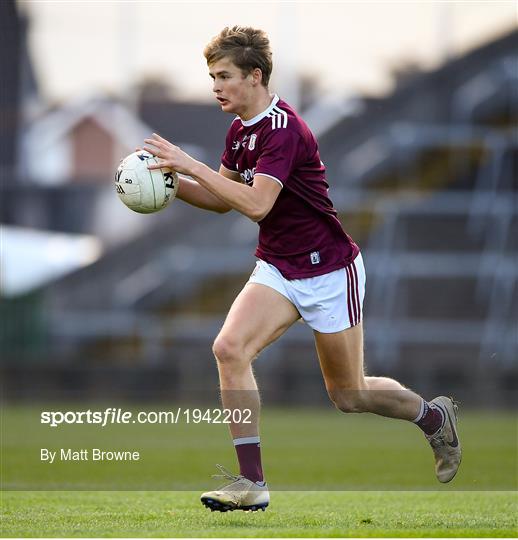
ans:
(248, 176)
(315, 257)
(251, 144)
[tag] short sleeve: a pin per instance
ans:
(226, 157)
(279, 154)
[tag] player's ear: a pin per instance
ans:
(257, 76)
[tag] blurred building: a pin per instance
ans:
(80, 142)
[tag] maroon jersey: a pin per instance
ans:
(301, 235)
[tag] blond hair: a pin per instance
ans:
(247, 48)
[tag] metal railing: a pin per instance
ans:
(489, 211)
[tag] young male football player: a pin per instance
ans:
(307, 265)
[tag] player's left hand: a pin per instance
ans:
(168, 155)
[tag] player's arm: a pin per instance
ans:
(194, 193)
(253, 201)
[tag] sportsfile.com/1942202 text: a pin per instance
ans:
(115, 415)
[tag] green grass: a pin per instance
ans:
(333, 475)
(291, 514)
(312, 449)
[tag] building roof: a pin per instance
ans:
(197, 124)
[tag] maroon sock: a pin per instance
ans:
(430, 418)
(249, 455)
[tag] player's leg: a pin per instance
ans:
(258, 316)
(335, 314)
(341, 359)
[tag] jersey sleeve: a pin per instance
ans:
(227, 156)
(279, 154)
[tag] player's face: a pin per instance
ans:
(234, 91)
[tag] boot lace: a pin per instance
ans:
(227, 475)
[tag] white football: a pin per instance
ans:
(143, 190)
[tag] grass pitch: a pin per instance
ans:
(291, 514)
(333, 475)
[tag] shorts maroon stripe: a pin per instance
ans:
(349, 296)
(353, 294)
(357, 294)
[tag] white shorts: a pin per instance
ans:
(328, 303)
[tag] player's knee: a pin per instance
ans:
(227, 350)
(348, 400)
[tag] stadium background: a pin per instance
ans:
(99, 304)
